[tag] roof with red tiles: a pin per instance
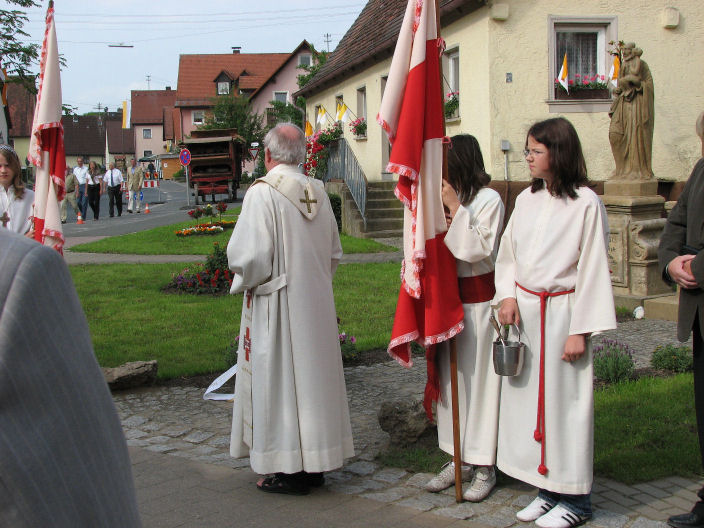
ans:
(372, 38)
(148, 106)
(196, 73)
(21, 103)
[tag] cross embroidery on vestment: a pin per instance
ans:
(249, 298)
(247, 345)
(4, 219)
(308, 201)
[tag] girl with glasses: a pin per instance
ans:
(553, 281)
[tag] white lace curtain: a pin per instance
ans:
(581, 49)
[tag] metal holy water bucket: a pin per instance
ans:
(508, 356)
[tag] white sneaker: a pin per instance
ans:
(560, 517)
(446, 477)
(535, 509)
(483, 482)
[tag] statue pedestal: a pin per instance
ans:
(631, 187)
(635, 224)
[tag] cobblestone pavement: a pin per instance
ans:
(178, 422)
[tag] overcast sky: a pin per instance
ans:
(161, 30)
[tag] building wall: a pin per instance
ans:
(285, 81)
(21, 146)
(155, 144)
(367, 151)
(493, 109)
(187, 125)
(519, 46)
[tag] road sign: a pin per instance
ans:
(184, 157)
(253, 152)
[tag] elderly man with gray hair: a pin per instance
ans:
(290, 413)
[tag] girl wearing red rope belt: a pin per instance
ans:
(552, 279)
(475, 216)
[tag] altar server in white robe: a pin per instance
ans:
(15, 201)
(290, 414)
(475, 217)
(552, 279)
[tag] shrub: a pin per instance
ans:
(613, 361)
(213, 277)
(623, 312)
(672, 357)
(231, 352)
(336, 203)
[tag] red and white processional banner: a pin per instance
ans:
(46, 147)
(429, 309)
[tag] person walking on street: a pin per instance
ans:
(70, 195)
(80, 171)
(135, 180)
(112, 180)
(95, 188)
(681, 263)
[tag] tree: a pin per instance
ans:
(231, 111)
(17, 57)
(288, 113)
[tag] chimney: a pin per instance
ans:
(236, 49)
(168, 88)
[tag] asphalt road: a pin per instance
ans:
(172, 209)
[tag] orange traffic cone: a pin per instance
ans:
(80, 219)
(146, 209)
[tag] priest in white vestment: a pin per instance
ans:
(552, 272)
(290, 414)
(15, 200)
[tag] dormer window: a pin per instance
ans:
(223, 88)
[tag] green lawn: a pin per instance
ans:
(163, 241)
(643, 430)
(189, 334)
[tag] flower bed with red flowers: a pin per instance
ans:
(212, 277)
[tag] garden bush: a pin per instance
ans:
(613, 361)
(336, 203)
(212, 278)
(673, 358)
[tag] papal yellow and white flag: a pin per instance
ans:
(343, 113)
(615, 68)
(125, 114)
(321, 116)
(562, 76)
(309, 129)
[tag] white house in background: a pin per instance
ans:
(503, 57)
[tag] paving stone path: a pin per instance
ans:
(178, 422)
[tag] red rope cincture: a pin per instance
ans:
(539, 433)
(447, 140)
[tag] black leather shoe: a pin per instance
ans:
(687, 520)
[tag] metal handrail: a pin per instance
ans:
(343, 165)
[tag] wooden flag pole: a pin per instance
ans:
(457, 456)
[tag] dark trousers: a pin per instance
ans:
(94, 199)
(114, 196)
(698, 351)
(82, 201)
